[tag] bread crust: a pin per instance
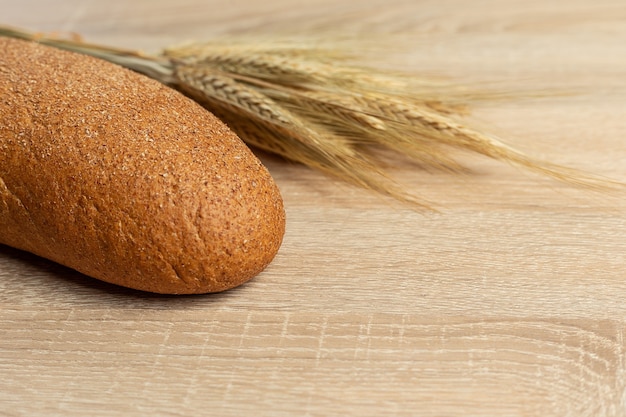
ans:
(126, 180)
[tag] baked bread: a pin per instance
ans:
(126, 180)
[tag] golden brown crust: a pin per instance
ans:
(125, 180)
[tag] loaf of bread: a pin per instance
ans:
(125, 180)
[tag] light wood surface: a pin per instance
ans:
(510, 301)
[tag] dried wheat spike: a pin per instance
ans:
(299, 103)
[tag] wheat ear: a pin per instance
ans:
(290, 100)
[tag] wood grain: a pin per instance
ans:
(510, 301)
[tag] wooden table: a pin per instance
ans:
(510, 301)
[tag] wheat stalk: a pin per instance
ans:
(291, 101)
